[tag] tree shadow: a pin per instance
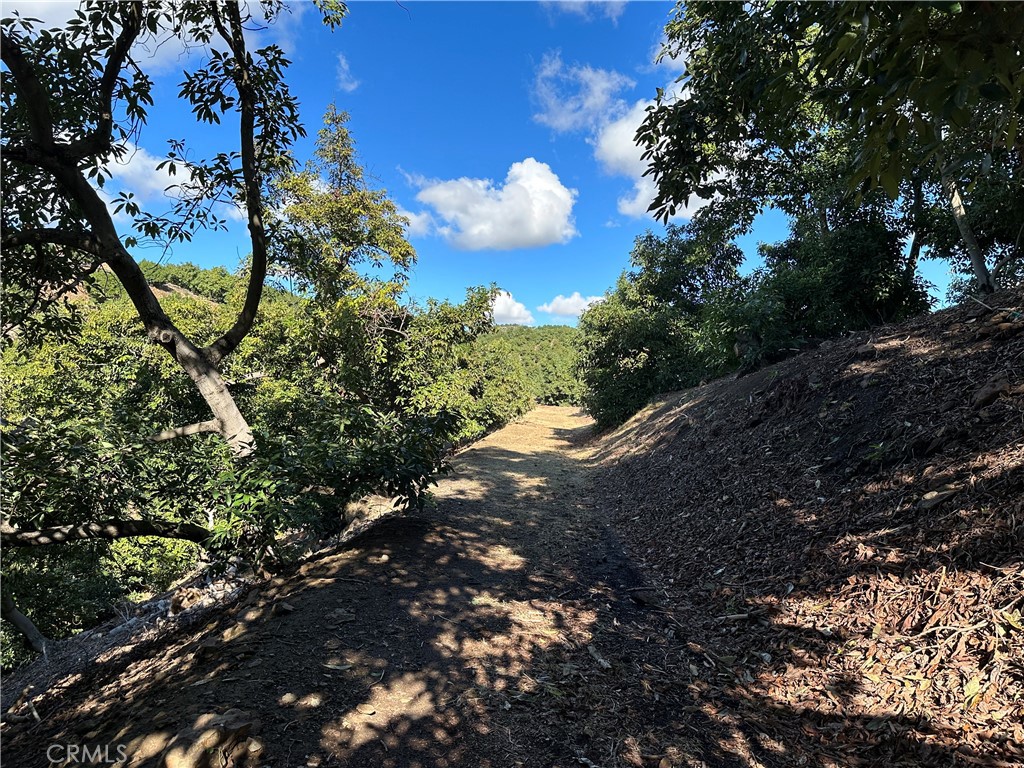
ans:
(841, 537)
(498, 629)
(793, 614)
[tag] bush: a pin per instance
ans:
(684, 314)
(354, 396)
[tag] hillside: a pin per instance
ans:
(841, 537)
(818, 564)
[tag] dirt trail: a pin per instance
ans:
(503, 627)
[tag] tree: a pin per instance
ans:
(649, 334)
(73, 99)
(922, 90)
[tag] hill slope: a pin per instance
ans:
(841, 535)
(834, 578)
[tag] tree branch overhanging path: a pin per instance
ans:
(66, 162)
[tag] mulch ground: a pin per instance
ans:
(503, 627)
(841, 535)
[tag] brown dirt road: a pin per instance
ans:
(502, 627)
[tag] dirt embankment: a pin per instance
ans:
(842, 536)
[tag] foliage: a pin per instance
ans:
(765, 77)
(685, 314)
(915, 96)
(332, 221)
(377, 415)
(818, 285)
(547, 355)
(214, 283)
(349, 389)
(646, 336)
(443, 371)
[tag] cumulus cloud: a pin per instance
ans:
(675, 64)
(530, 209)
(616, 150)
(346, 81)
(165, 52)
(569, 306)
(154, 189)
(587, 9)
(507, 311)
(420, 224)
(582, 98)
(575, 97)
(136, 171)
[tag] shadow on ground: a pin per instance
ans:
(842, 536)
(504, 627)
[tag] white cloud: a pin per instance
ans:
(584, 98)
(587, 9)
(420, 224)
(156, 189)
(346, 81)
(135, 171)
(569, 306)
(507, 311)
(53, 13)
(286, 31)
(165, 52)
(615, 148)
(576, 97)
(675, 65)
(532, 208)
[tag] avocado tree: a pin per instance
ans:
(74, 100)
(926, 93)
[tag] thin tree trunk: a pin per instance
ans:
(917, 206)
(963, 222)
(823, 222)
(107, 529)
(23, 623)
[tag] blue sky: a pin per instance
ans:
(503, 129)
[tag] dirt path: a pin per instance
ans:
(503, 627)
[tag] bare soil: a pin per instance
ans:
(843, 536)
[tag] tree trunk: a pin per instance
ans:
(823, 222)
(963, 223)
(917, 207)
(23, 623)
(108, 529)
(63, 162)
(952, 190)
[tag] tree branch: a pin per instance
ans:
(79, 240)
(108, 529)
(60, 162)
(213, 425)
(34, 96)
(253, 193)
(8, 610)
(1002, 264)
(99, 139)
